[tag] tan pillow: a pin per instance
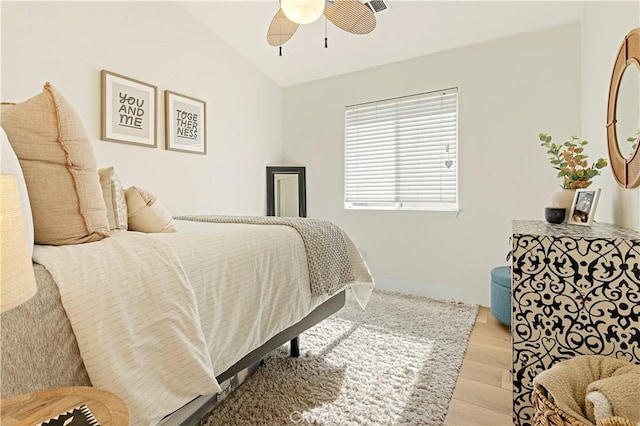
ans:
(59, 169)
(113, 195)
(4, 106)
(146, 213)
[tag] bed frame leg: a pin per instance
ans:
(295, 347)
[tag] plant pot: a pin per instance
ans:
(563, 199)
(555, 214)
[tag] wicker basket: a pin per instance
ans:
(547, 414)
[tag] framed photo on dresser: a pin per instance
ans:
(584, 206)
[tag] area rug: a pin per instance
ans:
(395, 363)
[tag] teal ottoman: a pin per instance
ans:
(501, 294)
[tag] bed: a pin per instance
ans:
(251, 293)
(168, 313)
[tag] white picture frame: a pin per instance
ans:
(185, 123)
(129, 110)
(583, 206)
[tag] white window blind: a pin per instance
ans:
(402, 153)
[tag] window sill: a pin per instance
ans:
(433, 213)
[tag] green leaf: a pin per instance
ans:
(601, 163)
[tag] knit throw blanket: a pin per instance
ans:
(327, 254)
(592, 388)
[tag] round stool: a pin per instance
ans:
(501, 294)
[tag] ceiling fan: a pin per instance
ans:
(351, 16)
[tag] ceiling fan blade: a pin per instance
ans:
(281, 29)
(351, 16)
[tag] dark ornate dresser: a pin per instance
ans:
(575, 291)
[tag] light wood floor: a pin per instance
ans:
(483, 392)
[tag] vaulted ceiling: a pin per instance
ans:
(405, 30)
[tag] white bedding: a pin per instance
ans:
(257, 286)
(135, 317)
(158, 316)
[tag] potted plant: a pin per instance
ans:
(570, 160)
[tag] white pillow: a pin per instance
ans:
(114, 199)
(10, 165)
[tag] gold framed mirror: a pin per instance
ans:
(623, 113)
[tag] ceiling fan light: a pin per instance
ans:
(302, 11)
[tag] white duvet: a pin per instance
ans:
(158, 316)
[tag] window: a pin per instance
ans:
(401, 153)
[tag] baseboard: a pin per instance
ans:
(438, 292)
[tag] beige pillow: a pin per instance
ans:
(59, 169)
(4, 106)
(113, 195)
(146, 213)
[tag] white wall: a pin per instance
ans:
(509, 91)
(68, 43)
(604, 26)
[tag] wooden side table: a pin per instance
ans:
(36, 407)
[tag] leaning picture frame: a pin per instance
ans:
(129, 110)
(185, 123)
(584, 206)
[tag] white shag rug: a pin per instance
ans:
(395, 363)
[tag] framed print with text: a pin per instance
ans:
(185, 123)
(129, 110)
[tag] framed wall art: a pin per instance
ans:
(129, 110)
(185, 123)
(584, 206)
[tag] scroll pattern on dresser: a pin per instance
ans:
(572, 295)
